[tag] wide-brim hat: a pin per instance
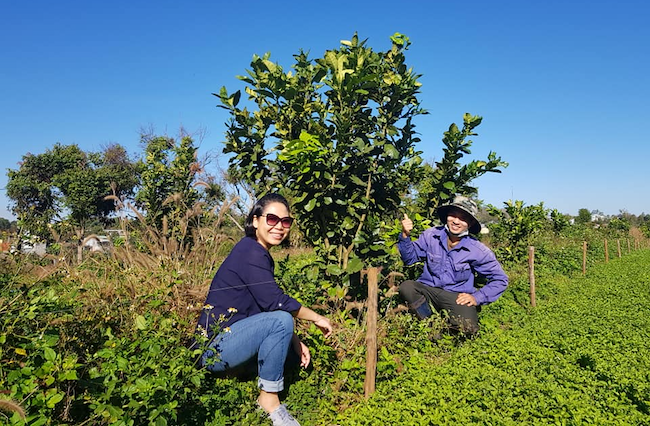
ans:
(466, 205)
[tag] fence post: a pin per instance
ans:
(618, 247)
(606, 252)
(628, 245)
(371, 333)
(531, 275)
(584, 258)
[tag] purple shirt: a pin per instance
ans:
(244, 282)
(453, 270)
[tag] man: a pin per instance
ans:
(451, 258)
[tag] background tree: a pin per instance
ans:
(66, 184)
(583, 216)
(7, 225)
(619, 225)
(559, 221)
(171, 195)
(336, 136)
(516, 224)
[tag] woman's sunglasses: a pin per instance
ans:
(273, 220)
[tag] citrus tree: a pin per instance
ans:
(336, 136)
(449, 176)
(516, 224)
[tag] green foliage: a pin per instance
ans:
(583, 216)
(169, 191)
(577, 359)
(559, 221)
(516, 224)
(68, 184)
(619, 225)
(645, 229)
(7, 225)
(167, 170)
(440, 183)
(74, 351)
(66, 362)
(336, 136)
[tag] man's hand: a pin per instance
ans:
(466, 299)
(407, 226)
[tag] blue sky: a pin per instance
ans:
(563, 86)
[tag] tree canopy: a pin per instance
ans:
(336, 135)
(67, 184)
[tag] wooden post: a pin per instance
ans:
(531, 275)
(606, 252)
(628, 246)
(584, 258)
(618, 247)
(371, 333)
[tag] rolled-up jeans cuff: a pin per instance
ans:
(270, 386)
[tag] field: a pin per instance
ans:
(580, 358)
(99, 344)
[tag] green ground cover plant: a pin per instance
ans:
(106, 342)
(579, 358)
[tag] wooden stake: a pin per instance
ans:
(531, 275)
(584, 258)
(371, 333)
(618, 247)
(606, 252)
(628, 245)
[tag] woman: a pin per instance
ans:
(451, 258)
(246, 314)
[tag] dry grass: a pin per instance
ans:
(10, 406)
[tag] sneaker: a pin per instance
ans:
(281, 417)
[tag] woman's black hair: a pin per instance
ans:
(258, 209)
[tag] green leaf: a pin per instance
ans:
(354, 265)
(54, 399)
(49, 354)
(310, 205)
(334, 269)
(140, 323)
(391, 151)
(196, 381)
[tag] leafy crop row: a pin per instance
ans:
(71, 352)
(580, 358)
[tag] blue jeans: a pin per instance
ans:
(267, 335)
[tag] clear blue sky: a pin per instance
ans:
(563, 86)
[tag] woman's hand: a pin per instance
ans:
(321, 322)
(324, 325)
(466, 299)
(302, 350)
(305, 356)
